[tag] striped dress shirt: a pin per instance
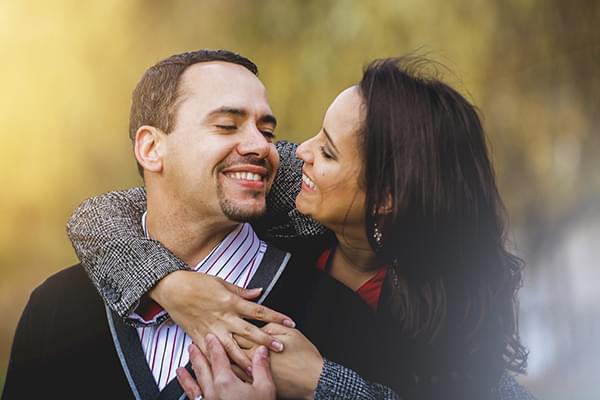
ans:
(235, 260)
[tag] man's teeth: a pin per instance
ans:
(308, 182)
(246, 176)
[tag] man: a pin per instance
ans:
(202, 128)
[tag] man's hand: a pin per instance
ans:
(216, 380)
(297, 369)
(203, 304)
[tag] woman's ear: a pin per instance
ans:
(149, 148)
(387, 206)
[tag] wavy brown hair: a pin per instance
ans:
(425, 154)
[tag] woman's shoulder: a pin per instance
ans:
(308, 248)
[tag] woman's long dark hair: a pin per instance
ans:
(431, 190)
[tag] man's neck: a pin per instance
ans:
(190, 239)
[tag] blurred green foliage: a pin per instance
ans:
(68, 68)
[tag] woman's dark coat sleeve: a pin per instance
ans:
(339, 382)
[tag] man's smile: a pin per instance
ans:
(247, 176)
(251, 176)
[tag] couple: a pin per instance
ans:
(410, 286)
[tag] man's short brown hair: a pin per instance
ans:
(156, 97)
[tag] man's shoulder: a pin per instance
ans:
(68, 291)
(70, 278)
(64, 342)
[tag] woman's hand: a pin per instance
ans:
(297, 369)
(203, 304)
(216, 380)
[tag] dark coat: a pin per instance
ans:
(64, 347)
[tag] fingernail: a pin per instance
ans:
(210, 338)
(249, 371)
(277, 346)
(262, 352)
(289, 323)
(191, 347)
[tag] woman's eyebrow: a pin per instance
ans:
(329, 139)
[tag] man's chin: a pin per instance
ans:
(243, 211)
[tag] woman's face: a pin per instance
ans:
(331, 192)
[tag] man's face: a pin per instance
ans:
(220, 159)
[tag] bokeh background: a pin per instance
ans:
(68, 67)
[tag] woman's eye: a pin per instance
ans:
(227, 127)
(326, 154)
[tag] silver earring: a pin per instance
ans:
(377, 235)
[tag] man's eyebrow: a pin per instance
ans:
(238, 112)
(329, 139)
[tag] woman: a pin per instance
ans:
(400, 174)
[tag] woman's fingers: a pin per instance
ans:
(248, 347)
(255, 311)
(276, 329)
(248, 294)
(233, 351)
(244, 343)
(259, 312)
(254, 334)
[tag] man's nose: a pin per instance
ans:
(255, 143)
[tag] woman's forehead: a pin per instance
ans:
(344, 116)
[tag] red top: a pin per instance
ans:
(370, 291)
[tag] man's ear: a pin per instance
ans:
(149, 148)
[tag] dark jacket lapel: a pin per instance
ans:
(129, 348)
(273, 263)
(134, 364)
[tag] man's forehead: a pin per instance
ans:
(214, 73)
(221, 83)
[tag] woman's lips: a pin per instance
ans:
(308, 183)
